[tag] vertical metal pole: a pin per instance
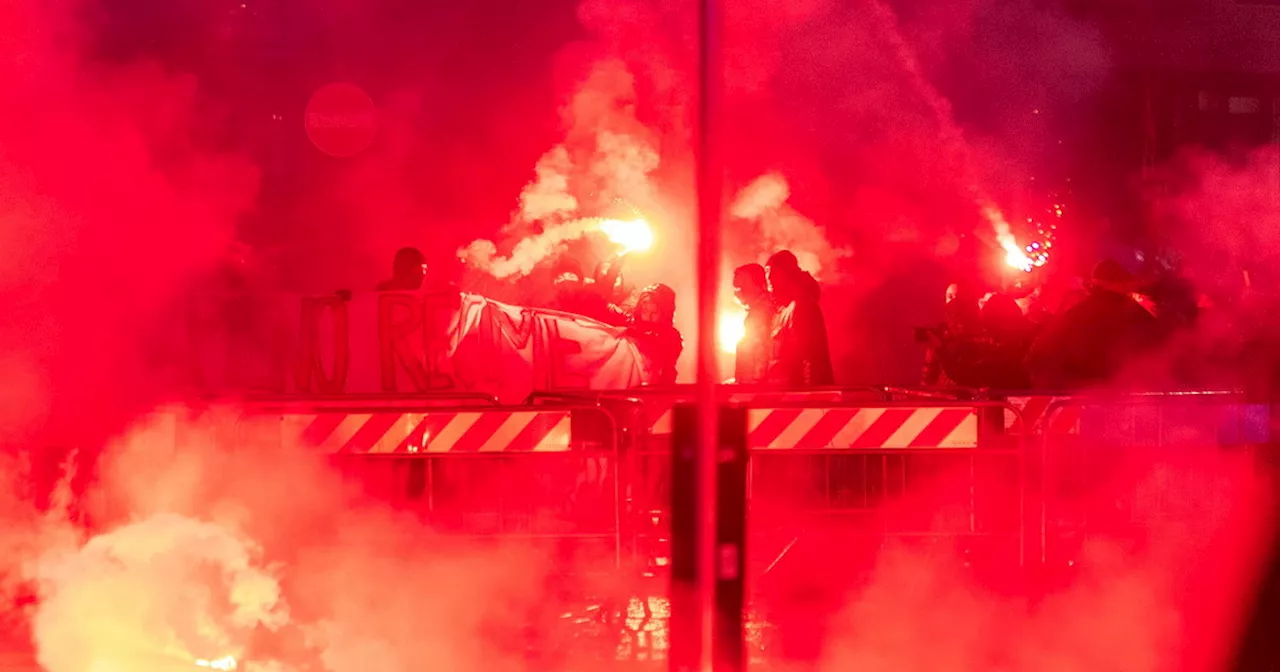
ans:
(731, 542)
(710, 178)
(687, 534)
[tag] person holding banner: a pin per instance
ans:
(652, 326)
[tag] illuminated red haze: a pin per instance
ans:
(210, 553)
(195, 542)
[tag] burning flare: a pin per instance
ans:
(633, 235)
(1024, 258)
(225, 663)
(731, 329)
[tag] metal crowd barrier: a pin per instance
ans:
(844, 460)
(924, 470)
(546, 474)
(1103, 461)
(593, 466)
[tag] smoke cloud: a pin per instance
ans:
(605, 163)
(115, 203)
(166, 587)
(211, 541)
(198, 554)
(1221, 215)
(778, 226)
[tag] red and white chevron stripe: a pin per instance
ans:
(660, 412)
(1065, 420)
(436, 432)
(861, 428)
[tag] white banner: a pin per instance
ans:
(402, 343)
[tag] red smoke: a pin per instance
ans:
(114, 204)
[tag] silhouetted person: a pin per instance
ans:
(947, 342)
(751, 288)
(596, 298)
(408, 270)
(653, 328)
(1092, 342)
(1174, 298)
(801, 355)
(1007, 335)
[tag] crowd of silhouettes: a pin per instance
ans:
(648, 315)
(1014, 340)
(1096, 332)
(784, 342)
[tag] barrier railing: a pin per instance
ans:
(1092, 452)
(545, 474)
(595, 465)
(819, 461)
(890, 470)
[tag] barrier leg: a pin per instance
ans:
(686, 607)
(731, 535)
(728, 638)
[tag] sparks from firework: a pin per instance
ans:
(952, 140)
(731, 329)
(1031, 256)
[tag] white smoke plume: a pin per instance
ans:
(528, 251)
(165, 591)
(779, 226)
(548, 197)
(212, 542)
(608, 157)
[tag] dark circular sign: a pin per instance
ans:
(341, 119)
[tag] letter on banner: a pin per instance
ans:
(399, 321)
(311, 374)
(563, 352)
(440, 313)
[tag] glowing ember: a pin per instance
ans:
(1146, 302)
(634, 235)
(732, 329)
(225, 664)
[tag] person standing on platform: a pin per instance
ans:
(652, 327)
(751, 288)
(408, 270)
(801, 355)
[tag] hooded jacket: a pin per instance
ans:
(801, 353)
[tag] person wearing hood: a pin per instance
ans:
(408, 271)
(801, 355)
(947, 343)
(751, 289)
(652, 327)
(1007, 337)
(1093, 341)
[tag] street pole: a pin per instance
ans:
(696, 438)
(710, 179)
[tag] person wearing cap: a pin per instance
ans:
(1092, 342)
